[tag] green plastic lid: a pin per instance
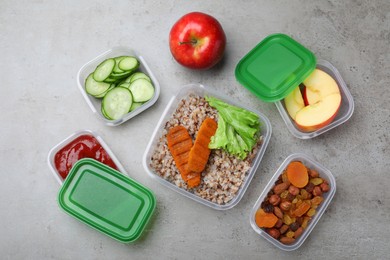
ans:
(106, 200)
(275, 67)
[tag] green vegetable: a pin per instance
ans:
(237, 128)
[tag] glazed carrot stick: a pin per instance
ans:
(180, 144)
(200, 152)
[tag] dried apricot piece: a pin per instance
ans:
(264, 219)
(297, 174)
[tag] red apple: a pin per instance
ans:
(197, 41)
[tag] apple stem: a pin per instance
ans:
(193, 42)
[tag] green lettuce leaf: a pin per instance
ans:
(237, 128)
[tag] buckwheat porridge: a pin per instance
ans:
(224, 174)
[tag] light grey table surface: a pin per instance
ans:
(44, 44)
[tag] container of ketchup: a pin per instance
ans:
(81, 144)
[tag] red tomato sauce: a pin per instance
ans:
(84, 146)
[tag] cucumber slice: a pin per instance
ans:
(135, 105)
(142, 90)
(104, 93)
(116, 68)
(128, 63)
(139, 75)
(95, 88)
(104, 113)
(117, 102)
(103, 70)
(119, 76)
(110, 80)
(124, 85)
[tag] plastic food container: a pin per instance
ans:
(106, 200)
(323, 172)
(201, 90)
(69, 139)
(95, 104)
(276, 66)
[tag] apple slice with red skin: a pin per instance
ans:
(318, 104)
(320, 114)
(317, 86)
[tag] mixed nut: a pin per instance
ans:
(291, 203)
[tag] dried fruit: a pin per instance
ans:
(281, 187)
(309, 187)
(285, 205)
(284, 229)
(293, 190)
(268, 207)
(290, 234)
(324, 187)
(279, 224)
(264, 219)
(316, 200)
(298, 232)
(287, 240)
(317, 181)
(289, 207)
(297, 174)
(311, 212)
(287, 219)
(274, 199)
(305, 222)
(317, 191)
(278, 212)
(273, 232)
(302, 208)
(313, 173)
(284, 194)
(294, 226)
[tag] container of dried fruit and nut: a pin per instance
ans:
(228, 140)
(293, 202)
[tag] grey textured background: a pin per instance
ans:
(43, 45)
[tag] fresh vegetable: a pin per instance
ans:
(114, 73)
(180, 144)
(117, 102)
(200, 152)
(237, 128)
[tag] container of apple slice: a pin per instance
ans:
(310, 94)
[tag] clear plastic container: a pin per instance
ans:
(201, 90)
(95, 104)
(323, 172)
(344, 113)
(69, 139)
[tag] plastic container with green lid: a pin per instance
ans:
(279, 64)
(106, 200)
(275, 67)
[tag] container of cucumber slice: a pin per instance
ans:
(118, 85)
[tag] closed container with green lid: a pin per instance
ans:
(276, 66)
(106, 200)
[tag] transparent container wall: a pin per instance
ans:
(69, 139)
(171, 107)
(328, 196)
(95, 104)
(344, 113)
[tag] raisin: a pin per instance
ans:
(294, 226)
